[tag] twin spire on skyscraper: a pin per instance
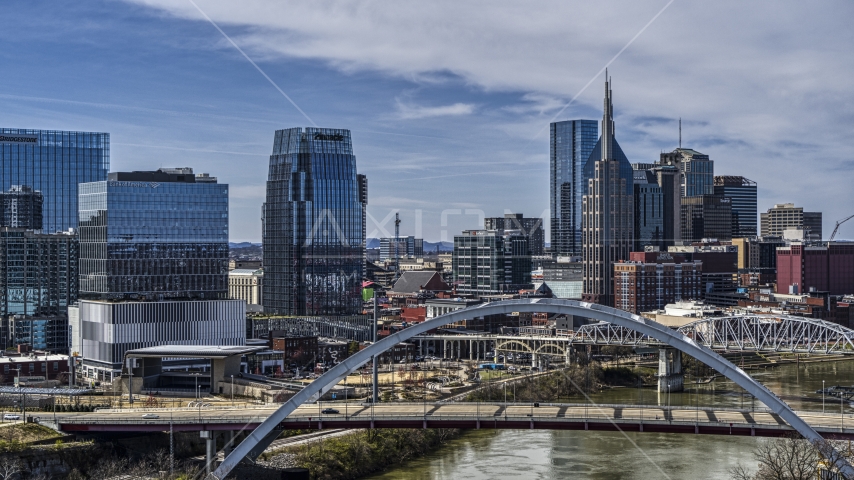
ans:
(608, 122)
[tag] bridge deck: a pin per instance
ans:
(466, 415)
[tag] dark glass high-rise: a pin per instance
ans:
(314, 235)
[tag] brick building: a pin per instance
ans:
(295, 350)
(31, 364)
(642, 285)
(803, 268)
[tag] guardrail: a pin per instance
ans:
(337, 420)
(648, 413)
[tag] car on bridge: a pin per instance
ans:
(150, 416)
(329, 411)
(11, 416)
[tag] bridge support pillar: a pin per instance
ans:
(210, 448)
(670, 378)
(534, 360)
(229, 443)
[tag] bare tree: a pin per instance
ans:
(790, 458)
(109, 468)
(9, 468)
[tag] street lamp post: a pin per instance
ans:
(196, 390)
(232, 390)
(822, 396)
(54, 407)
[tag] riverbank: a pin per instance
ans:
(351, 456)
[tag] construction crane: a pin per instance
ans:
(396, 246)
(838, 223)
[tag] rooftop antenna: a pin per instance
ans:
(396, 246)
(680, 132)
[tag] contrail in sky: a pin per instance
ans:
(255, 64)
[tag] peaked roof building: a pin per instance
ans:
(608, 211)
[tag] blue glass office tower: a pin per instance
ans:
(698, 171)
(314, 232)
(571, 144)
(153, 236)
(742, 194)
(54, 163)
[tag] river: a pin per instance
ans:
(542, 454)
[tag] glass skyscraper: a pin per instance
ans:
(38, 272)
(154, 235)
(571, 144)
(698, 171)
(54, 163)
(38, 282)
(314, 232)
(742, 194)
(649, 211)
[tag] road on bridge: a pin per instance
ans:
(459, 415)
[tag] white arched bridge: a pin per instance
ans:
(620, 324)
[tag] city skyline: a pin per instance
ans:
(432, 126)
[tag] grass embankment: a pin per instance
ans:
(368, 451)
(16, 437)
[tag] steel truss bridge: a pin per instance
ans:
(739, 333)
(617, 327)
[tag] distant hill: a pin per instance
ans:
(428, 246)
(443, 246)
(242, 244)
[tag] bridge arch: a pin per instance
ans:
(550, 348)
(254, 444)
(502, 345)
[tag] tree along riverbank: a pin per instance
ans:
(561, 383)
(364, 452)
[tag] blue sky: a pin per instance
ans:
(448, 102)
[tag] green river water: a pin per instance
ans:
(543, 454)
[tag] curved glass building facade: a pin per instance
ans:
(571, 143)
(54, 163)
(314, 232)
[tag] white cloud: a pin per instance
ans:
(747, 78)
(410, 112)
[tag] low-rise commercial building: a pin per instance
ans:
(297, 351)
(32, 366)
(102, 331)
